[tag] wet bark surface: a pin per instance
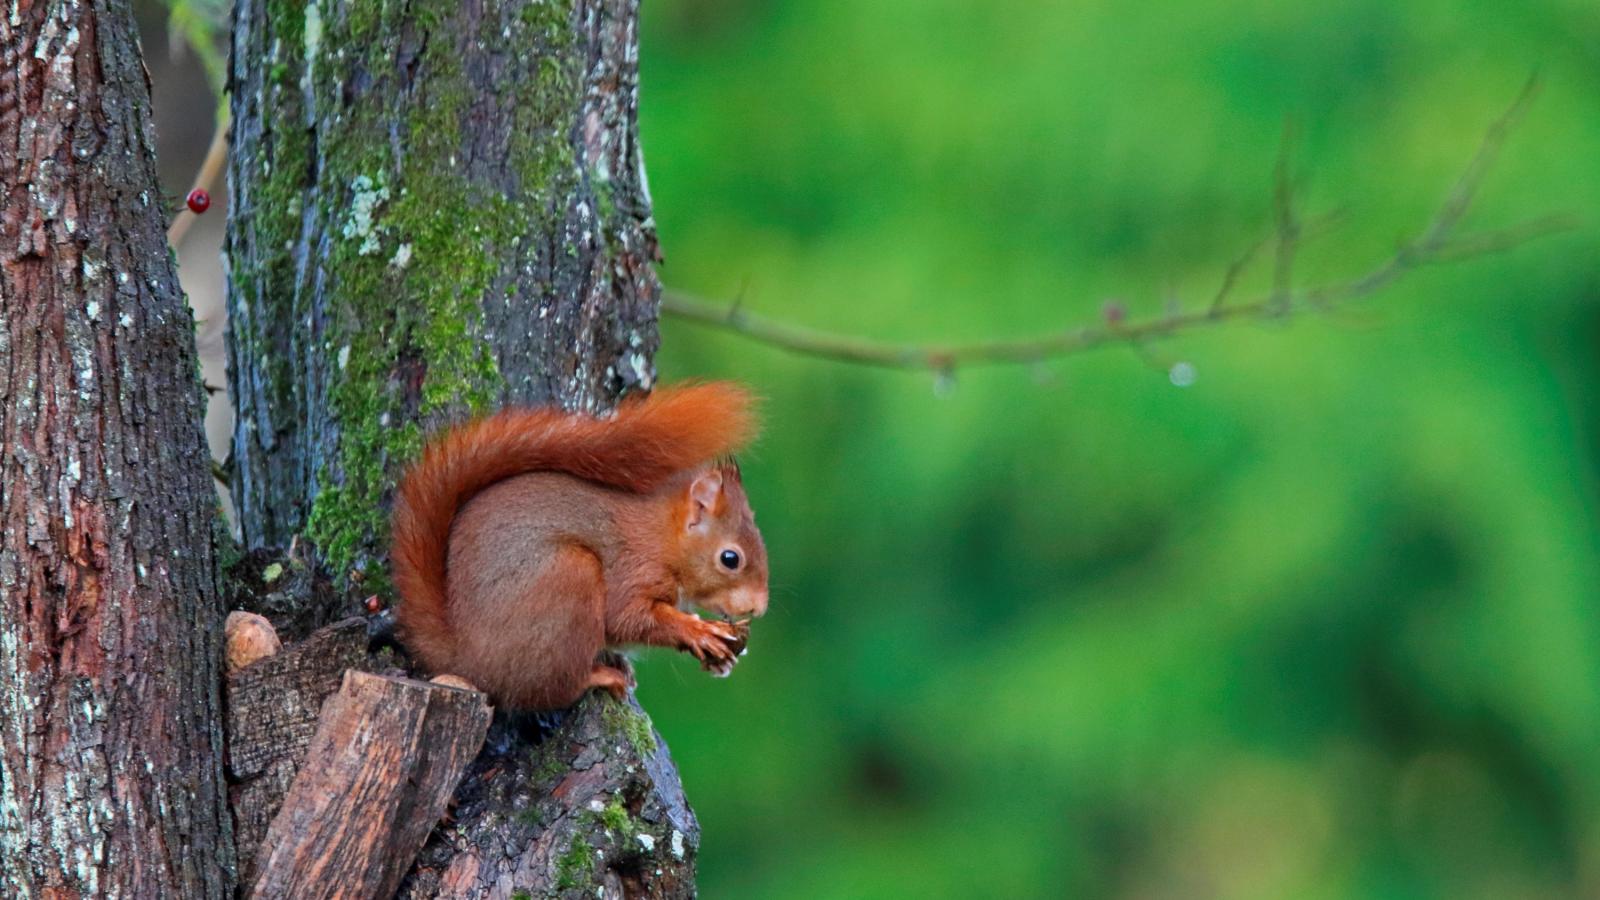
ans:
(110, 621)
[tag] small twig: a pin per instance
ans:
(1438, 233)
(1231, 277)
(1309, 229)
(1313, 227)
(1286, 225)
(1486, 242)
(221, 474)
(216, 156)
(1436, 243)
(1320, 224)
(1466, 187)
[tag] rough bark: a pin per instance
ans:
(110, 623)
(439, 208)
(594, 810)
(377, 776)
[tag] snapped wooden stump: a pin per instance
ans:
(586, 801)
(377, 777)
(273, 708)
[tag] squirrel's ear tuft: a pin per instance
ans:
(705, 494)
(729, 467)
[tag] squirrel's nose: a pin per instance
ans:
(748, 602)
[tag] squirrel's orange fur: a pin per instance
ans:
(527, 542)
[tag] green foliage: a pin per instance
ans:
(1322, 625)
(201, 25)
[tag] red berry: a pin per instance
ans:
(199, 200)
(374, 605)
(1114, 312)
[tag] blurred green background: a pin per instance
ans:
(1325, 624)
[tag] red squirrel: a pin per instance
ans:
(527, 542)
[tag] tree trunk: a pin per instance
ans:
(110, 624)
(439, 208)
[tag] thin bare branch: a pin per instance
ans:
(1235, 269)
(1284, 221)
(1485, 242)
(1436, 243)
(1311, 228)
(1466, 188)
(206, 178)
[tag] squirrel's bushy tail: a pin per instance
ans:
(643, 445)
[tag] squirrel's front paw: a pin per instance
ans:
(722, 646)
(715, 644)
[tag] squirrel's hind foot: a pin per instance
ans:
(611, 679)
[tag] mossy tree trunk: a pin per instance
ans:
(110, 710)
(439, 208)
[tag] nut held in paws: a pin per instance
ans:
(740, 642)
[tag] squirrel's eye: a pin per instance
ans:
(730, 559)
